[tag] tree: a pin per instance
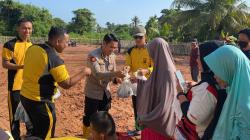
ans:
(135, 21)
(59, 23)
(83, 21)
(12, 11)
(207, 18)
(110, 27)
(152, 27)
(123, 31)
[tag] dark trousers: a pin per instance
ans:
(13, 101)
(134, 106)
(42, 116)
(92, 106)
(135, 112)
(195, 73)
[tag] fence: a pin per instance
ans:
(177, 48)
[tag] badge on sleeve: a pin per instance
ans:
(92, 59)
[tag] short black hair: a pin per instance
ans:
(56, 32)
(102, 122)
(22, 20)
(246, 32)
(195, 40)
(110, 37)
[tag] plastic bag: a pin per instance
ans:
(21, 114)
(125, 90)
(58, 94)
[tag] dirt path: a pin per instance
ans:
(69, 107)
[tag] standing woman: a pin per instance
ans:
(156, 95)
(232, 71)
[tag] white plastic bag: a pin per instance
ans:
(134, 88)
(125, 90)
(21, 114)
(58, 94)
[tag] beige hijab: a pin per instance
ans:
(155, 96)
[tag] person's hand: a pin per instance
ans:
(143, 72)
(87, 71)
(126, 68)
(133, 79)
(20, 66)
(190, 84)
(179, 87)
(118, 80)
(119, 74)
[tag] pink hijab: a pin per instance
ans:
(155, 96)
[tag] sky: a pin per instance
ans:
(115, 11)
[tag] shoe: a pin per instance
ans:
(86, 132)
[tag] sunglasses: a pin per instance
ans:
(138, 37)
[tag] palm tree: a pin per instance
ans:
(207, 18)
(135, 21)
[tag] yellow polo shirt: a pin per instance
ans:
(42, 70)
(138, 58)
(14, 51)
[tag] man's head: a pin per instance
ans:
(110, 44)
(24, 28)
(102, 126)
(194, 43)
(244, 39)
(58, 38)
(139, 34)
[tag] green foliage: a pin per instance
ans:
(205, 19)
(12, 11)
(188, 19)
(123, 31)
(135, 21)
(152, 27)
(82, 22)
(59, 23)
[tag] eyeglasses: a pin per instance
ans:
(138, 37)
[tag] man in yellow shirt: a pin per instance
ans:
(138, 59)
(43, 71)
(13, 59)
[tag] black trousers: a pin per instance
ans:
(42, 116)
(195, 73)
(13, 101)
(135, 113)
(92, 106)
(134, 106)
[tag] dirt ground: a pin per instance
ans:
(69, 107)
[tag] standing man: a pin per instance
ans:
(13, 59)
(244, 41)
(137, 58)
(193, 60)
(97, 89)
(43, 70)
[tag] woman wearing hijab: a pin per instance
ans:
(156, 95)
(202, 104)
(232, 71)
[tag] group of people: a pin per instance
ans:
(216, 107)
